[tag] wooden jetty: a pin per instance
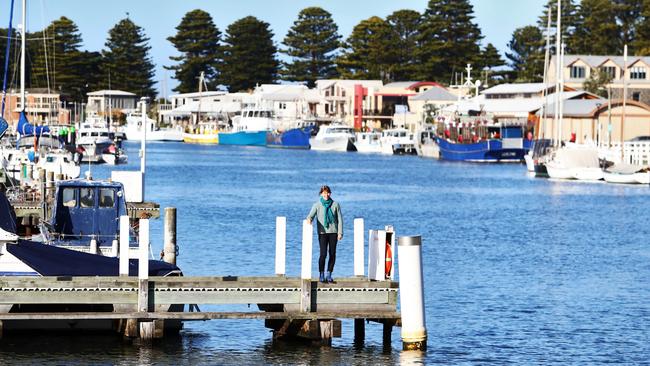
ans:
(293, 307)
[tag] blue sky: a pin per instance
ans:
(497, 18)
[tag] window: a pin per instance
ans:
(577, 72)
(636, 96)
(69, 197)
(87, 197)
(610, 71)
(106, 197)
(637, 72)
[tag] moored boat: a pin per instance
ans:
(294, 138)
(368, 142)
(334, 137)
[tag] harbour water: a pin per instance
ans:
(517, 269)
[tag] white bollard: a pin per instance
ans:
(358, 247)
(307, 238)
(114, 248)
(93, 246)
(124, 245)
(280, 245)
(143, 256)
(414, 332)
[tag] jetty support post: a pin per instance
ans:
(305, 273)
(359, 332)
(124, 245)
(147, 328)
(414, 332)
(280, 245)
(50, 185)
(170, 248)
(358, 247)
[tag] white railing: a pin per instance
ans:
(634, 152)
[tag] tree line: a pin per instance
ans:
(434, 45)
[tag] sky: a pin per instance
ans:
(159, 18)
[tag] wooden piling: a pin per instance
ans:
(387, 334)
(170, 248)
(359, 331)
(305, 296)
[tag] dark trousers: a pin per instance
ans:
(326, 240)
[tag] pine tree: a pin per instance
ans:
(405, 24)
(370, 51)
(629, 17)
(490, 60)
(57, 62)
(596, 31)
(641, 43)
(198, 40)
(569, 19)
(449, 39)
(249, 55)
(127, 60)
(527, 57)
(311, 43)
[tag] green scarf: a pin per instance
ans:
(329, 215)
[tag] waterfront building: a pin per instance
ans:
(579, 68)
(114, 102)
(353, 102)
(42, 107)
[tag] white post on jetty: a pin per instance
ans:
(124, 245)
(143, 252)
(143, 141)
(414, 332)
(280, 245)
(170, 247)
(307, 238)
(358, 247)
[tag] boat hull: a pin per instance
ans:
(157, 135)
(243, 138)
(338, 143)
(484, 151)
(295, 138)
(201, 138)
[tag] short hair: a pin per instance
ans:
(325, 189)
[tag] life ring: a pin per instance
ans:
(389, 260)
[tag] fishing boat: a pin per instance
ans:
(368, 142)
(94, 139)
(494, 143)
(250, 128)
(397, 141)
(202, 133)
(334, 137)
(291, 138)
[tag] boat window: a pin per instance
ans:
(69, 197)
(50, 159)
(87, 197)
(106, 197)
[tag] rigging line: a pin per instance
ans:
(4, 81)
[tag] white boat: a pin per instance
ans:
(134, 131)
(334, 137)
(368, 142)
(642, 177)
(59, 162)
(397, 141)
(575, 161)
(530, 162)
(94, 139)
(425, 143)
(114, 155)
(623, 173)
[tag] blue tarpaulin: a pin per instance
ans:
(25, 128)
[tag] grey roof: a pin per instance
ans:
(400, 84)
(435, 93)
(596, 60)
(517, 88)
(577, 107)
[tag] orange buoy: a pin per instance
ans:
(389, 260)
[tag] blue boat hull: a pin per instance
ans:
(483, 151)
(243, 138)
(295, 138)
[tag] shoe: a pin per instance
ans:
(329, 277)
(321, 278)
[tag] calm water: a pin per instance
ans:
(517, 269)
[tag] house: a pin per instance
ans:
(115, 102)
(353, 102)
(636, 73)
(42, 107)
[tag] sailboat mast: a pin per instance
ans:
(624, 100)
(558, 71)
(542, 125)
(22, 55)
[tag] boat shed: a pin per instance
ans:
(590, 120)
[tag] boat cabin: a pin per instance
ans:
(84, 210)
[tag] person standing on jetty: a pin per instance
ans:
(330, 230)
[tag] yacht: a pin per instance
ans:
(425, 142)
(134, 132)
(250, 128)
(94, 139)
(334, 137)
